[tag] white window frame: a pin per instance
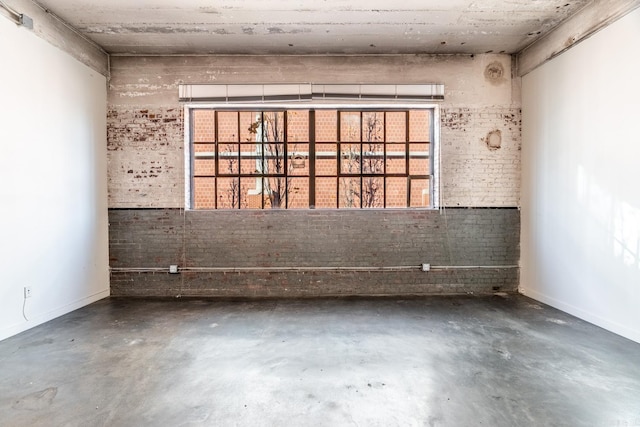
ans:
(435, 187)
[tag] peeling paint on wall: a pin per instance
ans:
(148, 127)
(471, 174)
(493, 140)
(494, 73)
(145, 155)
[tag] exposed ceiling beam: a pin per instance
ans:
(48, 26)
(592, 18)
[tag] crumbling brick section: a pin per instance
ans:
(156, 238)
(146, 157)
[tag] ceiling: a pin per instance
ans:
(313, 27)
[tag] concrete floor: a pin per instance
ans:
(437, 361)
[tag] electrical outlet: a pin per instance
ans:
(27, 291)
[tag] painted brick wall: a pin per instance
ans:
(479, 162)
(481, 97)
(145, 153)
(476, 171)
(146, 157)
(156, 238)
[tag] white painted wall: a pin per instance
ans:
(53, 192)
(581, 180)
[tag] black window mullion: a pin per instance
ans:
(361, 124)
(239, 159)
(216, 159)
(312, 158)
(338, 155)
(285, 115)
(406, 156)
(192, 159)
(384, 160)
(262, 174)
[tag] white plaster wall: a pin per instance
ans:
(53, 193)
(580, 186)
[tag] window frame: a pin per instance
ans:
(312, 107)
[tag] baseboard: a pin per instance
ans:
(52, 314)
(607, 324)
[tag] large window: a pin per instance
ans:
(310, 158)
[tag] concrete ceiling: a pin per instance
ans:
(313, 27)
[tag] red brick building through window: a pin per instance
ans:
(311, 158)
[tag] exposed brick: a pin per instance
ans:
(472, 174)
(146, 157)
(145, 153)
(151, 238)
(146, 170)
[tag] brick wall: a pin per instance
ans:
(479, 167)
(481, 156)
(146, 159)
(143, 100)
(145, 154)
(156, 238)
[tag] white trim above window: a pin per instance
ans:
(235, 93)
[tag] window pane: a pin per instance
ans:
(230, 194)
(396, 192)
(274, 159)
(203, 193)
(419, 125)
(298, 162)
(349, 126)
(373, 127)
(349, 193)
(275, 191)
(254, 192)
(203, 159)
(298, 195)
(396, 159)
(204, 150)
(250, 126)
(203, 125)
(372, 144)
(227, 126)
(250, 159)
(373, 192)
(297, 126)
(326, 160)
(228, 162)
(204, 166)
(273, 126)
(419, 193)
(419, 159)
(326, 126)
(350, 158)
(396, 126)
(326, 193)
(372, 158)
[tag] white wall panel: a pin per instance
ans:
(581, 187)
(53, 193)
